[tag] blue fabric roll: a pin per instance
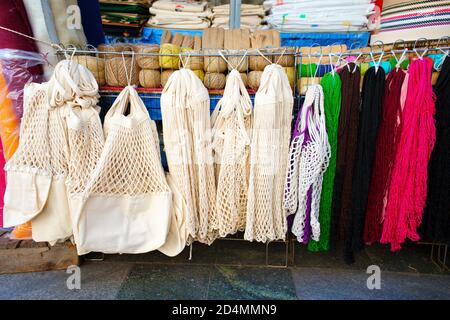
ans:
(386, 65)
(92, 21)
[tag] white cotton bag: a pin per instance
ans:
(126, 205)
(187, 142)
(29, 171)
(231, 142)
(308, 163)
(272, 117)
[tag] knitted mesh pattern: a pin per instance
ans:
(309, 161)
(129, 164)
(33, 153)
(57, 140)
(187, 140)
(85, 144)
(232, 124)
(266, 220)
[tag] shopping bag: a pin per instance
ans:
(125, 207)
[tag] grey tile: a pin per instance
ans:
(201, 254)
(331, 284)
(245, 253)
(166, 282)
(98, 281)
(253, 283)
(413, 258)
(334, 258)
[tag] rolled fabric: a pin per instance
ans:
(92, 21)
(43, 26)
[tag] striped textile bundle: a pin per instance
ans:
(409, 20)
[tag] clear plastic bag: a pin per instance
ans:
(18, 68)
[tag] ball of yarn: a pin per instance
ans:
(290, 72)
(254, 79)
(116, 74)
(239, 61)
(307, 70)
(200, 74)
(364, 67)
(150, 78)
(214, 80)
(169, 62)
(258, 63)
(214, 64)
(118, 47)
(244, 78)
(95, 65)
(165, 75)
(148, 62)
(304, 83)
(287, 58)
(434, 77)
(192, 62)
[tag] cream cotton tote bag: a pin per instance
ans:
(126, 205)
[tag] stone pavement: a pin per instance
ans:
(236, 270)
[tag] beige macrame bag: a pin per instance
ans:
(177, 238)
(266, 220)
(72, 87)
(29, 171)
(187, 140)
(231, 141)
(39, 169)
(126, 205)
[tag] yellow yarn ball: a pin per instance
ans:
(200, 74)
(169, 62)
(290, 72)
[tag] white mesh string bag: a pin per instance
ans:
(127, 201)
(71, 90)
(187, 142)
(266, 220)
(231, 142)
(38, 170)
(308, 163)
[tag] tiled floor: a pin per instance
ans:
(235, 270)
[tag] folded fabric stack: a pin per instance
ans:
(125, 17)
(409, 20)
(252, 16)
(180, 14)
(320, 15)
